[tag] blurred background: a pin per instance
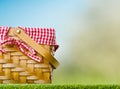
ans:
(88, 32)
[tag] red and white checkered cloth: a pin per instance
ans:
(43, 36)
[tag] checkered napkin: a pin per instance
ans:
(45, 36)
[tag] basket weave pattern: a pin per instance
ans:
(15, 67)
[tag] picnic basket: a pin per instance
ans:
(23, 59)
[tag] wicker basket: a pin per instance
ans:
(16, 67)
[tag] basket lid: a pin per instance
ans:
(44, 36)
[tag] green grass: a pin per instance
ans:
(51, 86)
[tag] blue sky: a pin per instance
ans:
(45, 13)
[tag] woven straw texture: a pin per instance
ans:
(15, 67)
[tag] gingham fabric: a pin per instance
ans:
(43, 36)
